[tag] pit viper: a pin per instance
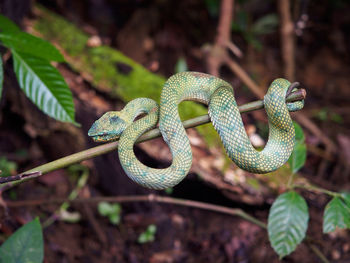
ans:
(224, 114)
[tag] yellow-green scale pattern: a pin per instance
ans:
(224, 113)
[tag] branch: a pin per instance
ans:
(245, 78)
(218, 52)
(287, 39)
(224, 27)
(108, 147)
(144, 198)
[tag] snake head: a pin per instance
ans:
(109, 127)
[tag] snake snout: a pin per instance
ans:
(93, 130)
(107, 128)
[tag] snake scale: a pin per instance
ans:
(224, 114)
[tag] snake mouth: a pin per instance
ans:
(101, 136)
(104, 137)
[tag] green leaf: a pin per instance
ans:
(298, 157)
(241, 22)
(265, 25)
(287, 222)
(299, 133)
(337, 118)
(169, 190)
(213, 7)
(143, 238)
(111, 210)
(44, 85)
(104, 208)
(114, 219)
(181, 65)
(25, 245)
(70, 217)
(152, 229)
(29, 44)
(7, 25)
(1, 76)
(148, 235)
(346, 197)
(7, 167)
(336, 214)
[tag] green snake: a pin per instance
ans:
(224, 114)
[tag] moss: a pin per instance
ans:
(54, 28)
(110, 70)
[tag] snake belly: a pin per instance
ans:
(224, 114)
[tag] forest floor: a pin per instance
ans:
(153, 35)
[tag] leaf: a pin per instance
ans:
(336, 214)
(7, 25)
(44, 86)
(114, 219)
(148, 235)
(241, 22)
(29, 44)
(70, 217)
(287, 222)
(104, 208)
(152, 229)
(298, 157)
(25, 245)
(299, 133)
(212, 7)
(265, 25)
(7, 167)
(111, 210)
(181, 65)
(1, 76)
(346, 197)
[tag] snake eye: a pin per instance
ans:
(113, 119)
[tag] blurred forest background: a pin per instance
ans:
(120, 50)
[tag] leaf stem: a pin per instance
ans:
(290, 184)
(108, 147)
(314, 188)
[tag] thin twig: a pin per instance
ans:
(108, 147)
(19, 176)
(218, 52)
(144, 198)
(245, 78)
(314, 188)
(318, 253)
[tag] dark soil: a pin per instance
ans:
(179, 29)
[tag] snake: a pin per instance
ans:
(143, 114)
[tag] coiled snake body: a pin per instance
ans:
(224, 114)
